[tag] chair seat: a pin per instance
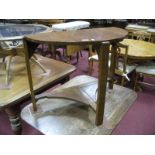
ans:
(146, 68)
(95, 58)
(129, 68)
(71, 49)
(70, 26)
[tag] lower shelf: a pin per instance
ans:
(63, 116)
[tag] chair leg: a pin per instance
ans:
(70, 58)
(3, 59)
(77, 56)
(122, 81)
(8, 69)
(43, 52)
(141, 77)
(67, 58)
(59, 55)
(90, 66)
(136, 81)
(52, 50)
(63, 52)
(81, 54)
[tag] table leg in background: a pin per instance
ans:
(15, 122)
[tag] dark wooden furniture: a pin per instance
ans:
(11, 98)
(100, 38)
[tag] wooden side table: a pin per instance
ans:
(100, 38)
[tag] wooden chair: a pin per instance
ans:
(9, 51)
(69, 50)
(144, 68)
(122, 68)
(72, 49)
(142, 35)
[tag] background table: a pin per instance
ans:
(12, 98)
(134, 27)
(139, 50)
(18, 31)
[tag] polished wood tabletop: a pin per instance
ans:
(101, 38)
(19, 88)
(13, 96)
(95, 35)
(139, 49)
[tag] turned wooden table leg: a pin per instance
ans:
(13, 114)
(103, 54)
(112, 65)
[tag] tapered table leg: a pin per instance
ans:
(103, 54)
(13, 114)
(112, 65)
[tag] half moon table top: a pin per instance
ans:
(93, 36)
(84, 36)
(139, 49)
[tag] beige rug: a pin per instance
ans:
(64, 117)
